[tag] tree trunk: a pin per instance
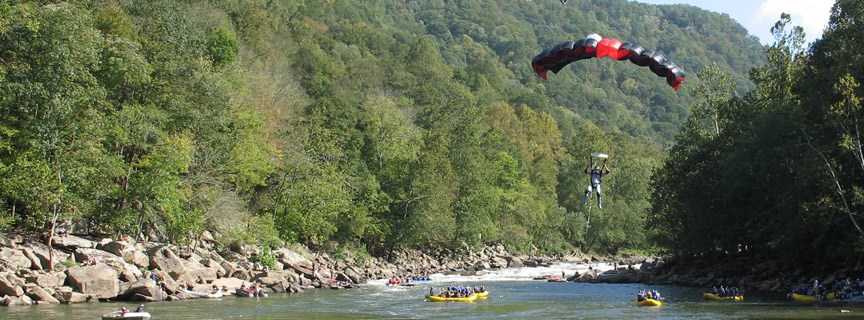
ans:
(55, 214)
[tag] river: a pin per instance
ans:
(513, 294)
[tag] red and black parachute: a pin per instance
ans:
(594, 46)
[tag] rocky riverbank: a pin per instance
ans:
(88, 270)
(706, 272)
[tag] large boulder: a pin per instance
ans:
(274, 280)
(66, 295)
(10, 287)
(613, 276)
(354, 275)
(213, 256)
(433, 264)
(341, 265)
(115, 247)
(137, 258)
(288, 275)
(36, 263)
(451, 266)
(127, 272)
(293, 259)
(84, 254)
(498, 263)
(303, 271)
(588, 276)
(197, 273)
(306, 283)
(15, 258)
(294, 288)
(15, 280)
(41, 251)
(47, 280)
(165, 259)
(142, 290)
(515, 262)
(229, 283)
(481, 265)
(9, 301)
(482, 256)
(216, 265)
(6, 241)
(99, 280)
(72, 242)
(233, 270)
(17, 239)
(164, 280)
(39, 294)
(386, 273)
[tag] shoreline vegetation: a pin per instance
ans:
(90, 270)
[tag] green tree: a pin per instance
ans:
(160, 192)
(715, 94)
(427, 212)
(222, 47)
(53, 102)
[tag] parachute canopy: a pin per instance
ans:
(595, 46)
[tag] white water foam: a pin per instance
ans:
(517, 274)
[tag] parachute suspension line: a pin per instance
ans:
(588, 224)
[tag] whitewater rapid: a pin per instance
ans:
(517, 274)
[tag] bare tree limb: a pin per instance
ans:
(836, 184)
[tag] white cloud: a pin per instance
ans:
(812, 15)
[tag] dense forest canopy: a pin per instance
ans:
(777, 172)
(367, 124)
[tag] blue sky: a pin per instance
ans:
(758, 16)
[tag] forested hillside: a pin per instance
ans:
(776, 173)
(366, 124)
(612, 95)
